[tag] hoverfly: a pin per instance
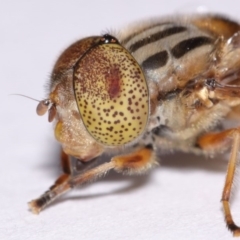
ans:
(159, 84)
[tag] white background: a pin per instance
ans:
(179, 200)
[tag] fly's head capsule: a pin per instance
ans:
(111, 93)
(98, 97)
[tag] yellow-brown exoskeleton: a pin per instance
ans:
(159, 84)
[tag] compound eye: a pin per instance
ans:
(112, 94)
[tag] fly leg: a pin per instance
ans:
(218, 141)
(37, 205)
(135, 162)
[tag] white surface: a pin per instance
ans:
(179, 200)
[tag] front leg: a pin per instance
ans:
(221, 141)
(139, 161)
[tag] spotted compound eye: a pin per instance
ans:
(111, 94)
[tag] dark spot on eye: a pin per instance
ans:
(113, 79)
(129, 101)
(115, 114)
(110, 129)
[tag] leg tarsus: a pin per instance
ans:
(222, 140)
(229, 221)
(37, 205)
